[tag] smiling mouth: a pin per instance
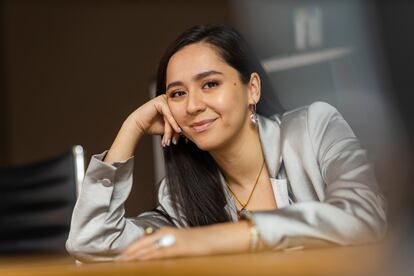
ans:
(202, 127)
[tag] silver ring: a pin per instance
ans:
(165, 241)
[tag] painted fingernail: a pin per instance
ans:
(169, 142)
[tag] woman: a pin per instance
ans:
(236, 181)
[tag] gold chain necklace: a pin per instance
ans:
(243, 209)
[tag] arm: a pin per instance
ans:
(98, 224)
(99, 230)
(223, 238)
(351, 212)
(353, 209)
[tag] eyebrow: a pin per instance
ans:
(197, 77)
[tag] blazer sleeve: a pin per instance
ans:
(99, 230)
(353, 208)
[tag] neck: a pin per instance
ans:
(241, 160)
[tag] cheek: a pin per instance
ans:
(178, 112)
(232, 102)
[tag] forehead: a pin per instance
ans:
(193, 59)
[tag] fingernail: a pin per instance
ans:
(179, 129)
(174, 141)
(169, 142)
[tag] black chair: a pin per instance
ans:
(36, 203)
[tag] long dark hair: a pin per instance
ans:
(193, 178)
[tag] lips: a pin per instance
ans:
(202, 125)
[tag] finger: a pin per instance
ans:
(138, 253)
(142, 247)
(164, 136)
(141, 254)
(160, 253)
(168, 132)
(175, 138)
(163, 139)
(167, 114)
(141, 243)
(162, 107)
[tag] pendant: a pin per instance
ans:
(242, 212)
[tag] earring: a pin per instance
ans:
(253, 116)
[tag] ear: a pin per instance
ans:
(254, 88)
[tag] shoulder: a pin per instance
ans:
(322, 125)
(308, 118)
(319, 124)
(313, 112)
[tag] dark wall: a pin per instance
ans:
(396, 22)
(3, 106)
(73, 71)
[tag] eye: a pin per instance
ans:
(179, 93)
(210, 84)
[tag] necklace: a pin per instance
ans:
(244, 209)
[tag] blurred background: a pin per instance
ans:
(71, 71)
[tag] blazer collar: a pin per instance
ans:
(269, 131)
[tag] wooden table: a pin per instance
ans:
(357, 260)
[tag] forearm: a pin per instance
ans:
(125, 143)
(98, 224)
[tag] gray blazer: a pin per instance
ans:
(324, 186)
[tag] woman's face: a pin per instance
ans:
(206, 96)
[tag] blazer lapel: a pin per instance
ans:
(269, 131)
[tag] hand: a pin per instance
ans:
(188, 242)
(215, 239)
(154, 117)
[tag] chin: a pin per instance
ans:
(208, 144)
(205, 146)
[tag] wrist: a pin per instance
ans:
(125, 143)
(255, 241)
(227, 237)
(131, 126)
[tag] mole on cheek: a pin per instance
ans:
(235, 84)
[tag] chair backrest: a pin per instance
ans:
(36, 203)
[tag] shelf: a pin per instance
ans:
(284, 63)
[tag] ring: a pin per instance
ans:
(149, 230)
(165, 241)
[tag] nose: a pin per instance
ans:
(195, 103)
